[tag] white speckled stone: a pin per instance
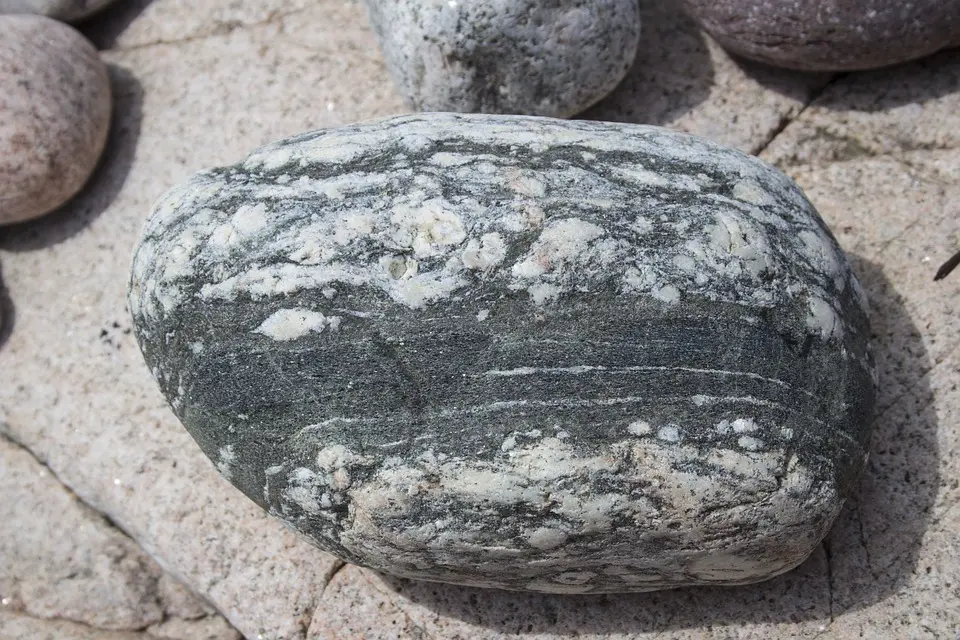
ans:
(531, 57)
(66, 10)
(55, 103)
(515, 352)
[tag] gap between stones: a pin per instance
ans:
(786, 120)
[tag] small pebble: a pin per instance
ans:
(513, 56)
(55, 100)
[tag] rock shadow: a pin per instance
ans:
(878, 90)
(104, 27)
(105, 183)
(671, 74)
(870, 553)
(8, 314)
(796, 85)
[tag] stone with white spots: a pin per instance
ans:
(66, 10)
(515, 352)
(55, 105)
(552, 58)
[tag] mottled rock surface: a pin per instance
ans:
(506, 56)
(515, 352)
(67, 10)
(55, 100)
(848, 35)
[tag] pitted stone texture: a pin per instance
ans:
(66, 10)
(877, 114)
(55, 100)
(845, 35)
(412, 289)
(59, 559)
(506, 56)
(167, 22)
(206, 628)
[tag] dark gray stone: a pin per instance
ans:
(553, 58)
(842, 35)
(66, 10)
(515, 352)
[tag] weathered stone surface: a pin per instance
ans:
(59, 559)
(848, 35)
(67, 10)
(55, 100)
(507, 56)
(81, 569)
(515, 352)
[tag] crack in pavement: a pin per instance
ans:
(338, 566)
(6, 435)
(829, 558)
(219, 29)
(786, 120)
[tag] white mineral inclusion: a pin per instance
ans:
(290, 324)
(639, 428)
(561, 243)
(248, 221)
(488, 252)
(227, 456)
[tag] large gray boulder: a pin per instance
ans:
(515, 352)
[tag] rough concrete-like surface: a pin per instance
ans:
(83, 569)
(75, 391)
(61, 560)
(14, 626)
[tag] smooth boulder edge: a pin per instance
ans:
(515, 352)
(852, 35)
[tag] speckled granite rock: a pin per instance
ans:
(515, 352)
(506, 56)
(67, 10)
(55, 100)
(848, 35)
